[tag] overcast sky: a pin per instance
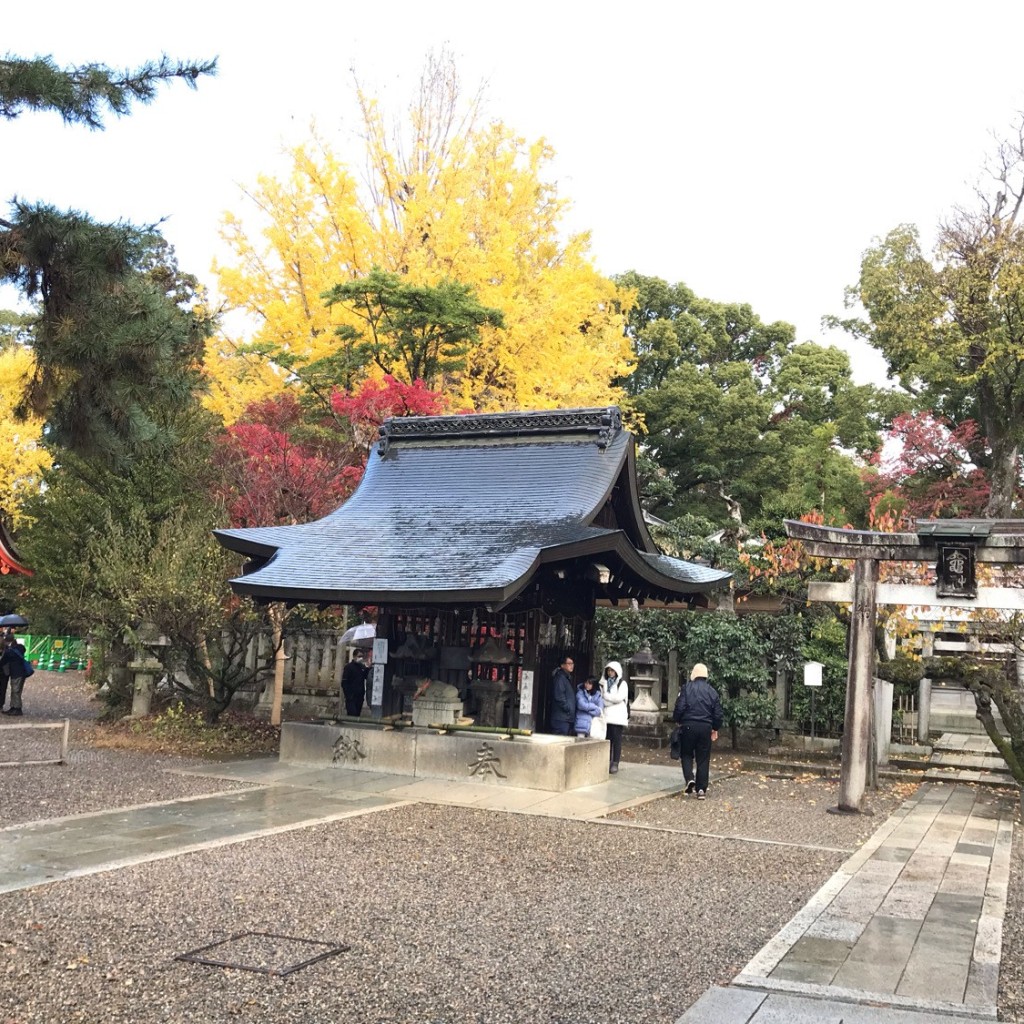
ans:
(751, 149)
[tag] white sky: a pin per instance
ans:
(749, 149)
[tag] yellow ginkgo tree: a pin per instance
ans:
(22, 455)
(450, 202)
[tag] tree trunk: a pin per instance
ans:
(1003, 477)
(983, 703)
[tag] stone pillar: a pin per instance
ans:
(673, 679)
(883, 721)
(924, 692)
(781, 683)
(406, 686)
(857, 722)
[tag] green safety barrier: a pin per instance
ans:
(55, 653)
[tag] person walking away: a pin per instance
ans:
(588, 705)
(563, 698)
(13, 662)
(353, 684)
(698, 712)
(615, 692)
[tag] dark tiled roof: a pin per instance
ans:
(464, 509)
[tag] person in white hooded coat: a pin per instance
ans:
(615, 692)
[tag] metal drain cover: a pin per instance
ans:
(263, 952)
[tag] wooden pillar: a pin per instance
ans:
(857, 723)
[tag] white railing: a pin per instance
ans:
(65, 728)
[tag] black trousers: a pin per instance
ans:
(615, 739)
(695, 745)
(353, 699)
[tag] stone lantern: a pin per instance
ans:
(645, 675)
(146, 667)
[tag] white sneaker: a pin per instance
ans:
(700, 794)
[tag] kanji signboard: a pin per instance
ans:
(954, 571)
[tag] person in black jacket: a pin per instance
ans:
(13, 663)
(353, 684)
(698, 712)
(563, 698)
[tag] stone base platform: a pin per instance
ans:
(554, 763)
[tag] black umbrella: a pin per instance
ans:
(13, 620)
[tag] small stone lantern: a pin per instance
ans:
(645, 675)
(146, 667)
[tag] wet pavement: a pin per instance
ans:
(287, 797)
(908, 930)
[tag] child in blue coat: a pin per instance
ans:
(589, 704)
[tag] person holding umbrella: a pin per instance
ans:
(8, 622)
(353, 683)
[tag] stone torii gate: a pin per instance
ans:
(954, 546)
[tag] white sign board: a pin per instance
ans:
(380, 652)
(526, 692)
(377, 696)
(812, 673)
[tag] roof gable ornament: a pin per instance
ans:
(597, 425)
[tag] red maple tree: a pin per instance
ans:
(924, 470)
(276, 466)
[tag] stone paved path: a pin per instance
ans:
(910, 926)
(46, 851)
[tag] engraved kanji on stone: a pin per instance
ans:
(486, 763)
(347, 749)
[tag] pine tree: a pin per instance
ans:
(116, 338)
(79, 94)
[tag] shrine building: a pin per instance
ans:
(485, 542)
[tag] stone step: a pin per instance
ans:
(973, 762)
(964, 743)
(949, 775)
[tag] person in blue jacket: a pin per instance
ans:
(698, 712)
(589, 705)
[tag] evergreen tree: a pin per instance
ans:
(115, 336)
(80, 94)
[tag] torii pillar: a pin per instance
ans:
(853, 772)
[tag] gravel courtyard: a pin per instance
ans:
(450, 915)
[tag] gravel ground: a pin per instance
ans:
(452, 915)
(786, 807)
(91, 779)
